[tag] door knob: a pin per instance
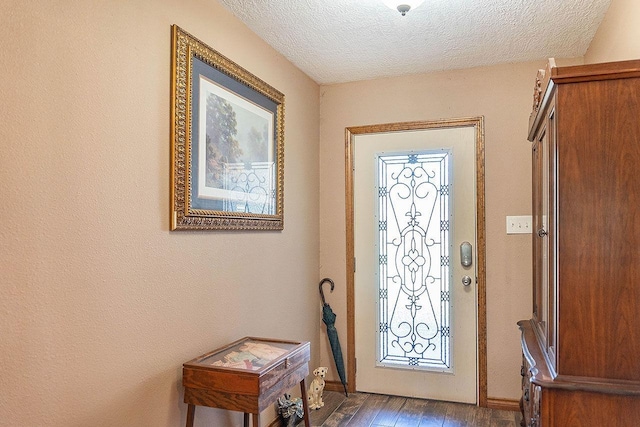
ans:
(466, 280)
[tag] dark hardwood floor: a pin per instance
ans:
(374, 410)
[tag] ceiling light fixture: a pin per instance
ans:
(403, 6)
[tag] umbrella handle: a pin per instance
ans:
(326, 279)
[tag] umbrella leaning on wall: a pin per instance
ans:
(329, 318)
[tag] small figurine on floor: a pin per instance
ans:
(290, 410)
(316, 388)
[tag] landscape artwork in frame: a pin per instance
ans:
(227, 143)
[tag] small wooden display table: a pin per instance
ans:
(247, 376)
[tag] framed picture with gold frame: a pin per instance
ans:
(227, 143)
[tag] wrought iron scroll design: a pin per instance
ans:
(413, 246)
(250, 188)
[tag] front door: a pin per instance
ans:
(414, 204)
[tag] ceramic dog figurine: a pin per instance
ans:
(315, 389)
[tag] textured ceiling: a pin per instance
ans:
(347, 40)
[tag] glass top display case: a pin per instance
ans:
(251, 354)
(247, 376)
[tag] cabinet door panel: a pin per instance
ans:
(550, 248)
(599, 229)
(544, 302)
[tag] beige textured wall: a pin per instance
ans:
(618, 37)
(503, 95)
(99, 303)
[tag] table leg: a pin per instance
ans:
(305, 403)
(256, 420)
(246, 419)
(191, 410)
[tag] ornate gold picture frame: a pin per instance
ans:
(227, 143)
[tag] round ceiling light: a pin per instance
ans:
(403, 6)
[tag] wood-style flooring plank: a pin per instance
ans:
(497, 414)
(343, 415)
(388, 414)
(504, 419)
(411, 413)
(502, 423)
(482, 417)
(374, 410)
(434, 414)
(332, 401)
(457, 415)
(365, 415)
(338, 419)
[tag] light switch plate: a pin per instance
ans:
(519, 224)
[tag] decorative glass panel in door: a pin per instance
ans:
(413, 252)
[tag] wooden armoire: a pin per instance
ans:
(581, 348)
